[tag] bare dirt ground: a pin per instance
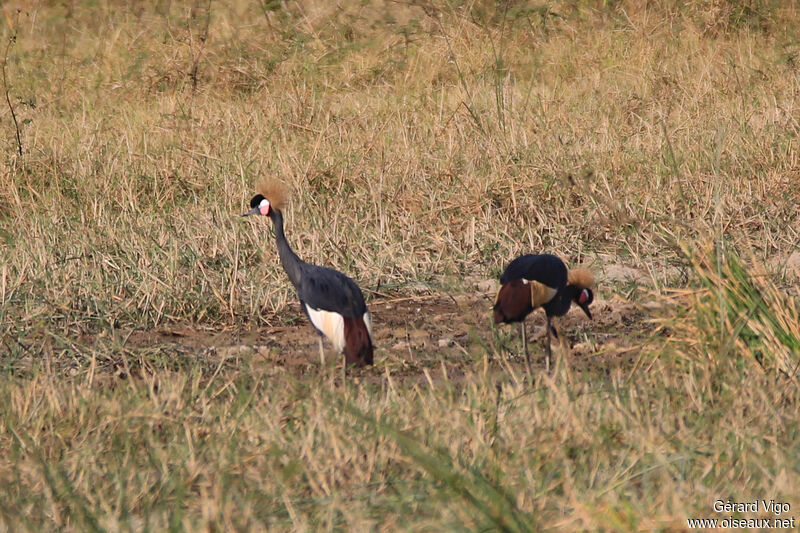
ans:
(421, 338)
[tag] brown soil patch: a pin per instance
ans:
(422, 338)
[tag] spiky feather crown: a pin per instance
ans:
(581, 278)
(274, 191)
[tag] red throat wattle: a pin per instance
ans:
(583, 296)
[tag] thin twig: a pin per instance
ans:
(203, 39)
(11, 41)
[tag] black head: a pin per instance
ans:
(255, 201)
(583, 299)
(258, 206)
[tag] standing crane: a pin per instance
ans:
(541, 280)
(332, 301)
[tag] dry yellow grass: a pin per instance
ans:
(425, 145)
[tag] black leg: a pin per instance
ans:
(525, 344)
(548, 353)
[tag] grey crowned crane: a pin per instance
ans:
(332, 301)
(541, 280)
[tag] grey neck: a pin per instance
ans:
(292, 264)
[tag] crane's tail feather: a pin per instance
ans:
(357, 341)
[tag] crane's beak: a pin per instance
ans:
(585, 308)
(254, 211)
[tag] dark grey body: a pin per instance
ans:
(319, 287)
(514, 299)
(548, 270)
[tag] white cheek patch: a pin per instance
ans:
(263, 207)
(330, 324)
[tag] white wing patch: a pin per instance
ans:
(330, 324)
(540, 293)
(368, 323)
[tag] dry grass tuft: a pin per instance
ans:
(738, 313)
